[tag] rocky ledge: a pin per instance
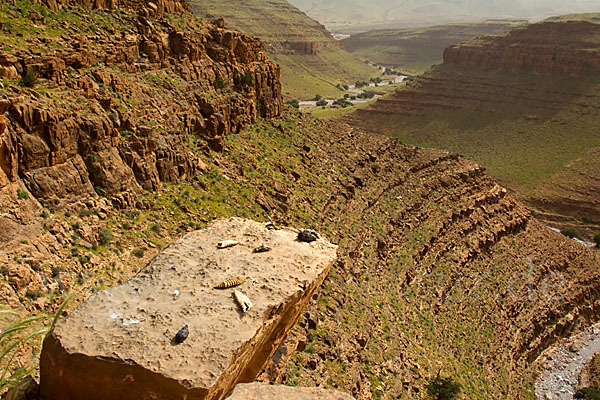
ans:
(548, 48)
(123, 343)
(258, 391)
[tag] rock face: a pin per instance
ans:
(122, 339)
(103, 121)
(549, 48)
(258, 391)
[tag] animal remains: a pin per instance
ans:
(231, 282)
(242, 300)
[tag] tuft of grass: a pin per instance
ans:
(570, 232)
(29, 79)
(139, 253)
(23, 195)
(23, 332)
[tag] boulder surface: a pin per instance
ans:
(119, 344)
(260, 391)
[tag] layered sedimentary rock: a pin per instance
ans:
(123, 339)
(258, 391)
(548, 48)
(118, 111)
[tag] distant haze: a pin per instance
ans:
(359, 15)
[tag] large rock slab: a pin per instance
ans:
(260, 391)
(119, 343)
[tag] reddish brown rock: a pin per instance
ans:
(122, 339)
(259, 391)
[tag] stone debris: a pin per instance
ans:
(308, 236)
(91, 348)
(242, 300)
(269, 225)
(227, 243)
(261, 249)
(182, 334)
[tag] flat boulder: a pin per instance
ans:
(121, 343)
(261, 391)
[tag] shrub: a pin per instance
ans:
(29, 79)
(156, 228)
(597, 239)
(360, 84)
(139, 253)
(443, 389)
(21, 194)
(346, 87)
(369, 94)
(318, 97)
(322, 103)
(587, 394)
(248, 78)
(570, 232)
(342, 102)
(219, 83)
(294, 103)
(105, 236)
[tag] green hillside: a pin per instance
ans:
(311, 60)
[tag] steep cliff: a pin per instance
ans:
(524, 104)
(417, 49)
(311, 60)
(441, 271)
(569, 48)
(114, 111)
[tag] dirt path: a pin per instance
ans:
(559, 379)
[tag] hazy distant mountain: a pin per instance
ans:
(357, 15)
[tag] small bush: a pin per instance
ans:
(126, 226)
(318, 97)
(156, 228)
(21, 194)
(29, 79)
(443, 389)
(587, 394)
(346, 87)
(321, 103)
(359, 84)
(597, 239)
(139, 253)
(294, 103)
(248, 78)
(369, 94)
(570, 232)
(105, 236)
(342, 102)
(219, 83)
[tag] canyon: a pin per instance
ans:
(515, 103)
(140, 125)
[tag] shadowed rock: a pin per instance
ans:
(120, 340)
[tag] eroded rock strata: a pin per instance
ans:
(123, 339)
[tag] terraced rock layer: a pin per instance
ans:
(122, 339)
(312, 61)
(524, 105)
(128, 100)
(569, 48)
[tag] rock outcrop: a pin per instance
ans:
(258, 391)
(117, 110)
(548, 48)
(122, 339)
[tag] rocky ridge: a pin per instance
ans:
(129, 98)
(567, 48)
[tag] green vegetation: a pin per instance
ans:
(105, 236)
(18, 334)
(321, 103)
(29, 79)
(139, 253)
(290, 37)
(597, 239)
(219, 83)
(570, 233)
(294, 103)
(587, 394)
(247, 78)
(22, 194)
